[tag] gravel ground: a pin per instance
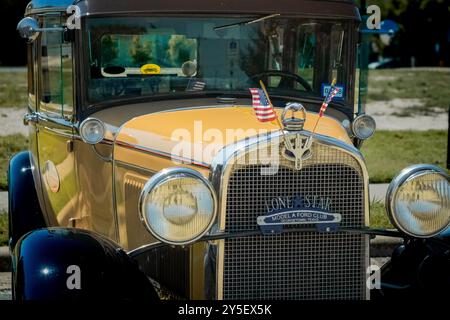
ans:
(3, 201)
(5, 285)
(11, 121)
(13, 69)
(382, 112)
(377, 191)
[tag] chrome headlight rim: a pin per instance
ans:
(355, 122)
(405, 175)
(164, 176)
(87, 121)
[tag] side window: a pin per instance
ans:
(56, 71)
(307, 42)
(337, 52)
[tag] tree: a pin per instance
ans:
(424, 29)
(141, 53)
(181, 50)
(13, 46)
(109, 49)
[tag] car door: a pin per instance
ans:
(55, 111)
(30, 117)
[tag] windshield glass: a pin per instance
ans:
(146, 56)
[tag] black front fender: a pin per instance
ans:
(419, 268)
(72, 264)
(25, 213)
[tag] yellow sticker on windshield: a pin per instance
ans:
(150, 69)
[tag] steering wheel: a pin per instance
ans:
(287, 79)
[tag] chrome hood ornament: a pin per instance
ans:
(297, 147)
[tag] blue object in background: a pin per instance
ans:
(386, 27)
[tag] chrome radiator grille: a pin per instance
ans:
(301, 265)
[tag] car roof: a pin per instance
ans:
(317, 8)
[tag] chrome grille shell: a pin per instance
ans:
(306, 265)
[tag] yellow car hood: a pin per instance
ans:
(198, 134)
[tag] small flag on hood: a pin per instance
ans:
(263, 109)
(333, 92)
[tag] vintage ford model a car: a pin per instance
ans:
(148, 167)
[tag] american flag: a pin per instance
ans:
(264, 111)
(333, 92)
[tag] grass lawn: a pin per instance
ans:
(387, 152)
(378, 216)
(13, 89)
(3, 229)
(9, 145)
(431, 86)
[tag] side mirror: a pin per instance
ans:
(29, 28)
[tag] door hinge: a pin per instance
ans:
(69, 145)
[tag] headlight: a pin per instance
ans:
(418, 201)
(178, 205)
(92, 130)
(363, 126)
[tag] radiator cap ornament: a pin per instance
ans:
(296, 147)
(293, 123)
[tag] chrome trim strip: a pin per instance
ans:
(58, 121)
(226, 235)
(56, 125)
(57, 131)
(367, 263)
(114, 192)
(199, 107)
(163, 154)
(220, 260)
(135, 167)
(146, 247)
(104, 141)
(45, 10)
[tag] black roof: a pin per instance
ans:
(323, 8)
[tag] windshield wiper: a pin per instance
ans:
(245, 23)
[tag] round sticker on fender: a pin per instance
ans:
(51, 176)
(150, 69)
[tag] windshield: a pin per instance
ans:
(147, 56)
